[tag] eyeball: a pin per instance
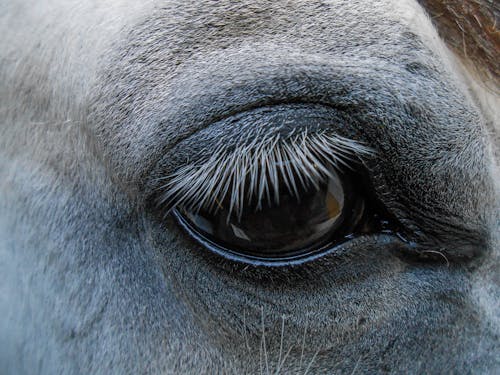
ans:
(291, 228)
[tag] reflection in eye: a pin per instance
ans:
(280, 201)
(293, 228)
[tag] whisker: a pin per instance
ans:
(281, 341)
(311, 362)
(303, 344)
(264, 341)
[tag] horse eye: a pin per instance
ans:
(287, 228)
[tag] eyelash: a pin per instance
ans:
(299, 161)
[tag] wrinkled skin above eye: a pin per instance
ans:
(102, 103)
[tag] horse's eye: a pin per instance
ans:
(284, 229)
(277, 203)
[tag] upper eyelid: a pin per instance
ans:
(303, 159)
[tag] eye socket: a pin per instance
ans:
(293, 228)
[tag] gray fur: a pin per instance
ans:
(100, 100)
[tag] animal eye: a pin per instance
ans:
(289, 228)
(278, 204)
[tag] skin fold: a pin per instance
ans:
(102, 101)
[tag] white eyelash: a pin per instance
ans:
(299, 161)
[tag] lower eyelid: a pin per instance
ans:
(343, 259)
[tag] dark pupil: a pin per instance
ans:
(294, 226)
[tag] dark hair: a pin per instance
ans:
(470, 29)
